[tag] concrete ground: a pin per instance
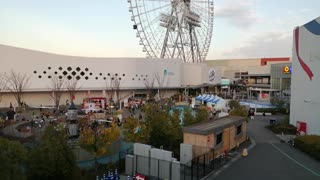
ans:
(270, 159)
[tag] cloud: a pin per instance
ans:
(265, 44)
(237, 13)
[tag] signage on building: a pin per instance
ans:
(287, 69)
(212, 75)
(225, 82)
(301, 128)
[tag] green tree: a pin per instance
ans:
(234, 104)
(164, 127)
(240, 111)
(12, 159)
(97, 139)
(188, 118)
(202, 114)
(135, 131)
(52, 159)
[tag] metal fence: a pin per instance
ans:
(203, 165)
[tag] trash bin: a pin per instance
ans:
(272, 121)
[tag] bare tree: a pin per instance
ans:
(3, 84)
(149, 84)
(72, 86)
(113, 84)
(56, 86)
(161, 83)
(116, 84)
(17, 82)
(109, 88)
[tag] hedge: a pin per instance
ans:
(272, 110)
(309, 144)
(282, 127)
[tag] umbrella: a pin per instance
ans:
(198, 97)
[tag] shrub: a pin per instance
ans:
(309, 144)
(285, 127)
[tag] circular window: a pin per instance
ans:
(49, 67)
(60, 68)
(108, 74)
(69, 68)
(90, 74)
(116, 74)
(133, 79)
(39, 76)
(78, 78)
(86, 69)
(35, 72)
(120, 79)
(73, 73)
(82, 73)
(78, 69)
(139, 79)
(97, 78)
(104, 78)
(123, 75)
(55, 72)
(65, 73)
(112, 78)
(100, 74)
(136, 75)
(44, 72)
(69, 77)
(86, 78)
(49, 77)
(60, 77)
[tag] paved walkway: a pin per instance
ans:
(270, 159)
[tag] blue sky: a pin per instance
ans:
(102, 28)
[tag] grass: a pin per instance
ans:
(309, 144)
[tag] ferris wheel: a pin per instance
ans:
(173, 28)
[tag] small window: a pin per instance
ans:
(73, 73)
(49, 67)
(69, 77)
(86, 69)
(78, 77)
(49, 77)
(86, 78)
(35, 72)
(97, 78)
(55, 72)
(78, 69)
(219, 138)
(69, 68)
(44, 72)
(65, 73)
(239, 129)
(82, 73)
(39, 76)
(100, 74)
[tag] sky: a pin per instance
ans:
(102, 28)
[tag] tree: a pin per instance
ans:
(12, 157)
(188, 118)
(164, 127)
(52, 159)
(161, 83)
(3, 84)
(135, 131)
(234, 104)
(56, 85)
(116, 84)
(149, 84)
(202, 114)
(17, 82)
(97, 139)
(240, 111)
(72, 87)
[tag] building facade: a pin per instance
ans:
(305, 83)
(95, 77)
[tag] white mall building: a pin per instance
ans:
(305, 83)
(94, 73)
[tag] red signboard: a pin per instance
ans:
(301, 128)
(140, 177)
